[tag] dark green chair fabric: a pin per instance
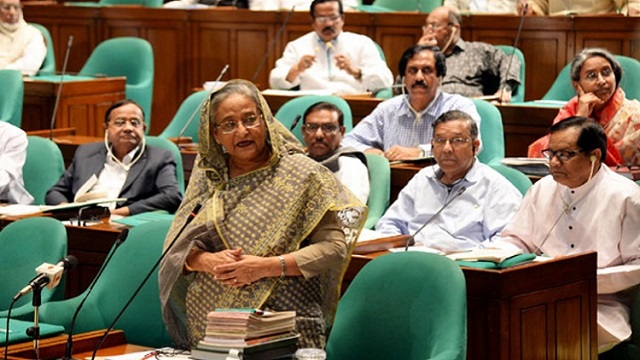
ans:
(142, 321)
(517, 178)
(518, 95)
(42, 168)
(24, 245)
(130, 57)
(145, 3)
(380, 188)
(49, 63)
(424, 6)
(491, 132)
(11, 100)
(406, 305)
(297, 106)
(189, 107)
(167, 144)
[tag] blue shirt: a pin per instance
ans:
(393, 122)
(477, 215)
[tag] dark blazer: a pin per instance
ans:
(151, 183)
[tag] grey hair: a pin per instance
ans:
(585, 54)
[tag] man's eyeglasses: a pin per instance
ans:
(563, 155)
(435, 26)
(120, 122)
(7, 7)
(454, 142)
(326, 19)
(230, 126)
(327, 129)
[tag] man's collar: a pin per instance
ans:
(472, 176)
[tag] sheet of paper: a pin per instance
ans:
(86, 187)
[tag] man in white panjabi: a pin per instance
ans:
(22, 46)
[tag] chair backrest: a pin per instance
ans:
(167, 144)
(516, 177)
(42, 168)
(49, 63)
(491, 132)
(115, 57)
(24, 245)
(424, 6)
(145, 3)
(142, 321)
(407, 305)
(518, 95)
(189, 111)
(380, 185)
(386, 93)
(297, 106)
(562, 88)
(11, 100)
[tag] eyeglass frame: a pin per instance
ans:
(435, 26)
(7, 7)
(121, 121)
(565, 156)
(326, 19)
(455, 142)
(307, 128)
(235, 123)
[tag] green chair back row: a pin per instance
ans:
(49, 64)
(518, 95)
(11, 101)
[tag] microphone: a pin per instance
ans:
(272, 45)
(191, 216)
(48, 275)
(69, 347)
(411, 238)
(57, 101)
(197, 110)
(295, 122)
(525, 7)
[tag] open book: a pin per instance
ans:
(529, 166)
(493, 255)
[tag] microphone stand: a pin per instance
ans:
(272, 45)
(34, 331)
(192, 215)
(515, 44)
(57, 102)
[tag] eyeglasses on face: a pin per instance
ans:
(592, 76)
(434, 25)
(7, 7)
(230, 126)
(454, 142)
(326, 129)
(563, 155)
(326, 19)
(121, 121)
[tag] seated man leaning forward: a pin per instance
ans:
(486, 200)
(22, 46)
(584, 206)
(400, 128)
(329, 58)
(121, 167)
(322, 133)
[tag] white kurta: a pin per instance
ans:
(602, 215)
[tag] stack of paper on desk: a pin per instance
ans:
(493, 255)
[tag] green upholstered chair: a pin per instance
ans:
(142, 321)
(388, 92)
(562, 89)
(297, 106)
(380, 188)
(11, 101)
(406, 305)
(167, 144)
(518, 95)
(145, 3)
(43, 167)
(517, 178)
(190, 108)
(491, 132)
(126, 56)
(24, 245)
(49, 63)
(424, 6)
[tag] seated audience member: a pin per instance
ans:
(473, 68)
(484, 7)
(329, 58)
(581, 7)
(13, 153)
(121, 167)
(480, 212)
(240, 4)
(596, 76)
(22, 46)
(286, 5)
(322, 132)
(584, 206)
(400, 128)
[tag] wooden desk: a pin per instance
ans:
(400, 176)
(524, 124)
(82, 105)
(533, 311)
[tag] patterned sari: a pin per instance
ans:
(270, 211)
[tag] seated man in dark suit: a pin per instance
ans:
(121, 167)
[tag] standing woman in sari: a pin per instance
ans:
(275, 232)
(596, 76)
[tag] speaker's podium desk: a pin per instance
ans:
(542, 310)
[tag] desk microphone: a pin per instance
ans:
(121, 238)
(272, 45)
(525, 7)
(197, 110)
(57, 101)
(48, 275)
(192, 215)
(410, 239)
(295, 122)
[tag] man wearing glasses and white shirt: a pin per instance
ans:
(331, 59)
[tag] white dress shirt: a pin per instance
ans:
(13, 154)
(355, 176)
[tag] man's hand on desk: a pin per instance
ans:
(397, 152)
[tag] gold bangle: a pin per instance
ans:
(283, 266)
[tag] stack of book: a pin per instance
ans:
(248, 334)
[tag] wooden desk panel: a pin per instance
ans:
(524, 124)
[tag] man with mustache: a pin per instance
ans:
(121, 167)
(329, 59)
(22, 46)
(400, 128)
(322, 132)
